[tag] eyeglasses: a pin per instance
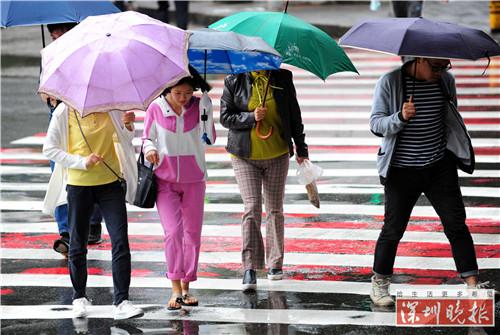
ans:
(437, 69)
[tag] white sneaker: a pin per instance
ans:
(80, 307)
(380, 292)
(126, 310)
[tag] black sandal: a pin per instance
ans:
(187, 296)
(178, 301)
(61, 245)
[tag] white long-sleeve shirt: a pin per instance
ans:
(55, 147)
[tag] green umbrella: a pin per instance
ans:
(299, 43)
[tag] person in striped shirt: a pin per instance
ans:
(424, 139)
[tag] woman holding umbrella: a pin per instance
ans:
(424, 137)
(259, 163)
(419, 154)
(93, 169)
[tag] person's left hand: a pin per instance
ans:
(300, 160)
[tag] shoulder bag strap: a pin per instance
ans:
(91, 151)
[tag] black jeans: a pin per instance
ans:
(111, 200)
(439, 183)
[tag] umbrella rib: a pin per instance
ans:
(467, 46)
(401, 43)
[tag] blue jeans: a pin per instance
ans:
(111, 200)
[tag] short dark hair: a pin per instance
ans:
(60, 26)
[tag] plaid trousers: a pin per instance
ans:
(253, 176)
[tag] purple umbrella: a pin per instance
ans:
(118, 61)
(420, 37)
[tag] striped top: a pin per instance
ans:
(422, 141)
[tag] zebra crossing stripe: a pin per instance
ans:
(305, 92)
(318, 141)
(360, 114)
(342, 81)
(212, 314)
(39, 170)
(422, 211)
(490, 192)
(224, 157)
(154, 229)
(316, 286)
(402, 262)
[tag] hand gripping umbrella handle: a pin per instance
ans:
(259, 135)
(259, 123)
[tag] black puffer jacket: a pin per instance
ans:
(235, 116)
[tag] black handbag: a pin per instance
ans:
(145, 195)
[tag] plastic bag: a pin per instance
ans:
(307, 174)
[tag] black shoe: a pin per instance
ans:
(95, 234)
(275, 274)
(249, 280)
(61, 245)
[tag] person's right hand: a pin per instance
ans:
(92, 160)
(152, 157)
(409, 110)
(260, 113)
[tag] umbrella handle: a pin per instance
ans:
(257, 128)
(259, 134)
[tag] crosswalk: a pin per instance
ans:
(329, 251)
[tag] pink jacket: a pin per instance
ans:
(178, 140)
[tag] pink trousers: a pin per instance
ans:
(180, 206)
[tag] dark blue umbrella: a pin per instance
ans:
(420, 37)
(28, 13)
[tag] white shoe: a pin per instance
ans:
(126, 310)
(80, 307)
(380, 292)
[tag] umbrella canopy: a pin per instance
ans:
(299, 43)
(421, 37)
(117, 61)
(217, 52)
(26, 13)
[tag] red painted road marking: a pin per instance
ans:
(233, 244)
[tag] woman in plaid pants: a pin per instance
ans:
(261, 162)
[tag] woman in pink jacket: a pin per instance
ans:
(175, 128)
